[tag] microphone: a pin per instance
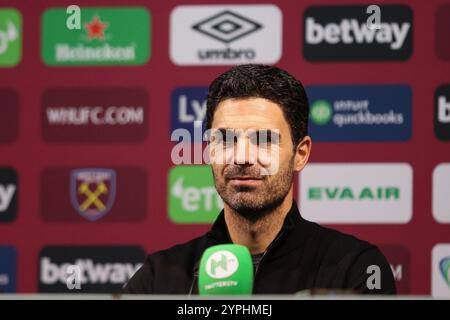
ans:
(226, 269)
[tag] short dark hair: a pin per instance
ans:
(262, 81)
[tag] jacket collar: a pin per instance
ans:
(219, 231)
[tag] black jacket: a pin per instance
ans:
(304, 255)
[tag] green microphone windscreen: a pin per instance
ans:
(226, 270)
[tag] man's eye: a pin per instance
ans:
(260, 139)
(230, 139)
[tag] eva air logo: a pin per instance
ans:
(192, 195)
(348, 193)
(10, 37)
(444, 267)
(108, 36)
(221, 264)
(321, 112)
(356, 192)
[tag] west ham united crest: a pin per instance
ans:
(92, 192)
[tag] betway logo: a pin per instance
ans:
(443, 109)
(351, 31)
(397, 271)
(6, 195)
(91, 272)
(356, 192)
(341, 33)
(95, 115)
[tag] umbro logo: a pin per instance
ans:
(225, 34)
(227, 26)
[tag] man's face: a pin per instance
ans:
(243, 160)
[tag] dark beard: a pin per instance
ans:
(254, 214)
(263, 205)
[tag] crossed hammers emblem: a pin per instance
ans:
(92, 197)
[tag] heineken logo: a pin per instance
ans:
(96, 29)
(108, 36)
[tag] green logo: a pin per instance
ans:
(192, 195)
(107, 36)
(10, 37)
(321, 112)
(444, 267)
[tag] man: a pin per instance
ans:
(246, 105)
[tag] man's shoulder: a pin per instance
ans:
(168, 271)
(345, 261)
(186, 252)
(335, 244)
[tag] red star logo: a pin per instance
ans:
(96, 28)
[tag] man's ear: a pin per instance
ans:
(302, 152)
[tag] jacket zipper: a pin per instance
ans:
(265, 253)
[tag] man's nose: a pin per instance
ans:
(244, 152)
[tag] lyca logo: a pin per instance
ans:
(188, 105)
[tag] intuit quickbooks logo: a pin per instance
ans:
(192, 196)
(10, 37)
(107, 36)
(340, 33)
(360, 112)
(370, 193)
